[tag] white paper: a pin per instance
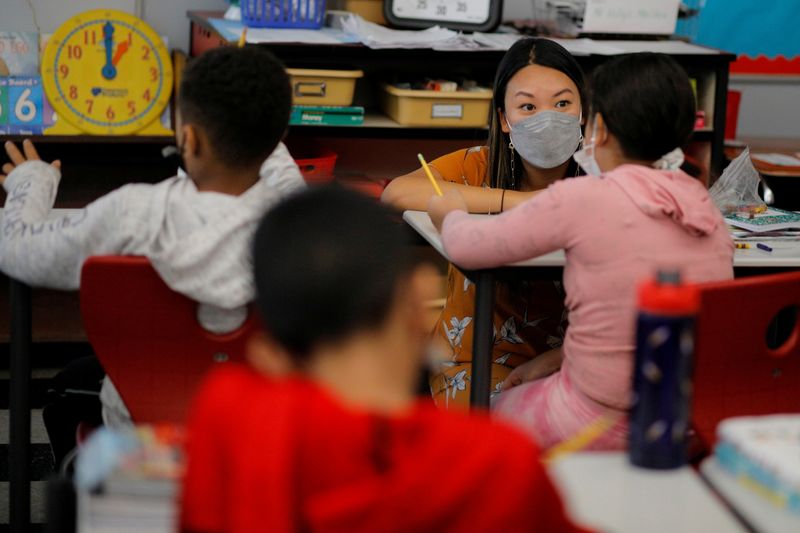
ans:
(631, 16)
(585, 47)
(233, 13)
(496, 41)
(777, 159)
(376, 36)
(279, 35)
(672, 47)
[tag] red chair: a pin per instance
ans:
(736, 373)
(148, 339)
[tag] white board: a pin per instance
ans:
(631, 16)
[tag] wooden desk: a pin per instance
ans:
(603, 491)
(785, 256)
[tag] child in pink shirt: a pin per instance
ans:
(635, 212)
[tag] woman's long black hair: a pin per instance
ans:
(530, 51)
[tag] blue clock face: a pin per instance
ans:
(462, 14)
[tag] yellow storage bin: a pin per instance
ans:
(371, 10)
(323, 87)
(469, 109)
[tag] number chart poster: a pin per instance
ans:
(764, 35)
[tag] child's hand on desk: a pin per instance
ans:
(440, 206)
(17, 158)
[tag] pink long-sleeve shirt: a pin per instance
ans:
(616, 230)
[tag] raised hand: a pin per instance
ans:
(28, 153)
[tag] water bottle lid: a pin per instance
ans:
(665, 295)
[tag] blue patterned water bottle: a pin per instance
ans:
(662, 372)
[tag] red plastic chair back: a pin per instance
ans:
(736, 373)
(148, 339)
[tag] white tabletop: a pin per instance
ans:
(420, 221)
(757, 511)
(601, 490)
(784, 253)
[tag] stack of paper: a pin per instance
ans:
(763, 452)
(129, 480)
(115, 512)
(377, 36)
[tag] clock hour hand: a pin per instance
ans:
(109, 70)
(121, 49)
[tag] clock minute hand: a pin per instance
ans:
(109, 70)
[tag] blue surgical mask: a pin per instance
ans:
(547, 138)
(585, 156)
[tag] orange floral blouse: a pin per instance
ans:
(529, 317)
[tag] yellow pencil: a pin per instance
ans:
(582, 438)
(243, 37)
(429, 174)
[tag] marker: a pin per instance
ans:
(429, 174)
(764, 247)
(742, 245)
(242, 38)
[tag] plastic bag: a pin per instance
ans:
(736, 190)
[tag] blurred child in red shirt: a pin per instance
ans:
(324, 432)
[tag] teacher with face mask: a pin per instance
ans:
(535, 130)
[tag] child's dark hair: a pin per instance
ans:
(328, 263)
(646, 101)
(241, 98)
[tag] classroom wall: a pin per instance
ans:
(769, 106)
(517, 9)
(168, 17)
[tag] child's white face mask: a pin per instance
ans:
(585, 156)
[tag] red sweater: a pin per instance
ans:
(278, 456)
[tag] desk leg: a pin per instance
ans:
(19, 408)
(482, 340)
